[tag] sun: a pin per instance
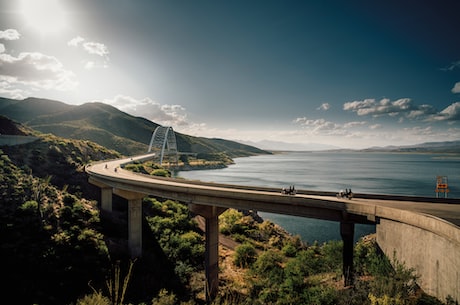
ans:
(44, 16)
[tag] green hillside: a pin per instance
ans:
(109, 127)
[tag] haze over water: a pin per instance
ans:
(375, 173)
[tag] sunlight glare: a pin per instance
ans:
(44, 16)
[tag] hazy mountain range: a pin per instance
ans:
(108, 126)
(441, 147)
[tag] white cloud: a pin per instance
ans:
(92, 48)
(31, 71)
(375, 126)
(354, 124)
(167, 115)
(456, 88)
(421, 112)
(324, 106)
(96, 48)
(320, 126)
(10, 34)
(450, 113)
(400, 107)
(36, 71)
(7, 89)
(74, 42)
(379, 108)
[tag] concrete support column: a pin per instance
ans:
(212, 257)
(135, 227)
(347, 230)
(106, 194)
(211, 215)
(106, 199)
(134, 220)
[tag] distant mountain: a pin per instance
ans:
(108, 126)
(441, 147)
(284, 146)
(30, 108)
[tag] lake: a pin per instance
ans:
(363, 172)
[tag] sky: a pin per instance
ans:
(350, 74)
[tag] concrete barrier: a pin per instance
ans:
(433, 253)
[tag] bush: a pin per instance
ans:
(164, 298)
(228, 221)
(289, 250)
(245, 255)
(94, 299)
(160, 173)
(368, 260)
(136, 167)
(269, 266)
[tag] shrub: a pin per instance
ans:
(95, 298)
(164, 298)
(228, 221)
(245, 255)
(331, 253)
(268, 266)
(289, 250)
(399, 283)
(368, 260)
(161, 173)
(135, 167)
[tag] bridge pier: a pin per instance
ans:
(106, 199)
(134, 221)
(106, 194)
(347, 230)
(211, 215)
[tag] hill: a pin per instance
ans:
(427, 147)
(109, 127)
(9, 127)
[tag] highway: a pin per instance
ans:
(363, 208)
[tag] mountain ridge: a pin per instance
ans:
(109, 127)
(441, 147)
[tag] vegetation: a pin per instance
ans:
(148, 168)
(55, 247)
(178, 235)
(47, 234)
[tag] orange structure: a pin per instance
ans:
(441, 186)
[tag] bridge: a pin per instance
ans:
(424, 233)
(164, 141)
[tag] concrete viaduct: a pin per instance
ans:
(424, 233)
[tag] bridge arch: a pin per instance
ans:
(164, 141)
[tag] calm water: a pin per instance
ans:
(376, 173)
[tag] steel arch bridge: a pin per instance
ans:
(164, 141)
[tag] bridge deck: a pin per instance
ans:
(361, 204)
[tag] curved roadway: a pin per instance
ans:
(440, 216)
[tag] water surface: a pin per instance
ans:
(375, 173)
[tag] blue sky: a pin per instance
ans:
(344, 73)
